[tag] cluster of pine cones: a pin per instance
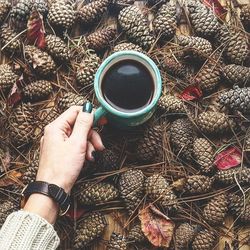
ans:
(170, 160)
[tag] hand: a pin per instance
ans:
(66, 143)
(64, 146)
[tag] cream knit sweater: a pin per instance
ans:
(27, 231)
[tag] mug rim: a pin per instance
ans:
(106, 105)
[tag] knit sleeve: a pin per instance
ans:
(25, 231)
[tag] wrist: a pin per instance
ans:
(43, 206)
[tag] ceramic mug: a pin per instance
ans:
(117, 117)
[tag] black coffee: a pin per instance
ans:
(128, 86)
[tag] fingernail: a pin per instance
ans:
(93, 156)
(87, 107)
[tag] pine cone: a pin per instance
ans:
(117, 242)
(136, 235)
(173, 67)
(89, 228)
(100, 39)
(93, 11)
(61, 14)
(216, 209)
(41, 62)
(21, 12)
(182, 137)
(237, 99)
(149, 146)
(131, 185)
(239, 206)
(5, 6)
(195, 47)
(120, 4)
(89, 193)
(70, 99)
(213, 122)
(57, 48)
(135, 24)
(127, 46)
(245, 16)
(157, 189)
(86, 72)
(203, 20)
(165, 21)
(38, 90)
(209, 75)
(227, 177)
(204, 155)
(9, 39)
(50, 116)
(6, 208)
(21, 124)
(171, 104)
(106, 160)
(31, 171)
(206, 239)
(198, 184)
(234, 45)
(237, 74)
(7, 77)
(184, 234)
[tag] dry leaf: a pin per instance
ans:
(217, 8)
(191, 93)
(75, 214)
(228, 158)
(15, 95)
(10, 178)
(156, 226)
(36, 30)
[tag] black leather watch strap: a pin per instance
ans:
(51, 190)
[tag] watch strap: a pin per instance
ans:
(51, 190)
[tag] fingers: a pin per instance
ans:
(83, 124)
(96, 140)
(90, 150)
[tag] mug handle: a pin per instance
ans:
(100, 112)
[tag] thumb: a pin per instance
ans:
(83, 124)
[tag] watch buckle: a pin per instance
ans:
(61, 213)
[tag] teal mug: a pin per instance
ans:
(117, 117)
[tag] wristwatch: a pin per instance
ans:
(51, 190)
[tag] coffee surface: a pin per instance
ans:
(128, 86)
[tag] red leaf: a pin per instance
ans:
(156, 226)
(15, 95)
(228, 158)
(36, 30)
(102, 121)
(75, 214)
(191, 93)
(217, 8)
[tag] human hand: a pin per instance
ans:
(66, 143)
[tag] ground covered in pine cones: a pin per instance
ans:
(180, 181)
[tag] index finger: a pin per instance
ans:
(67, 118)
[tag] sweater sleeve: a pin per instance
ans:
(25, 231)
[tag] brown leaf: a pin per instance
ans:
(15, 95)
(156, 226)
(36, 30)
(10, 178)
